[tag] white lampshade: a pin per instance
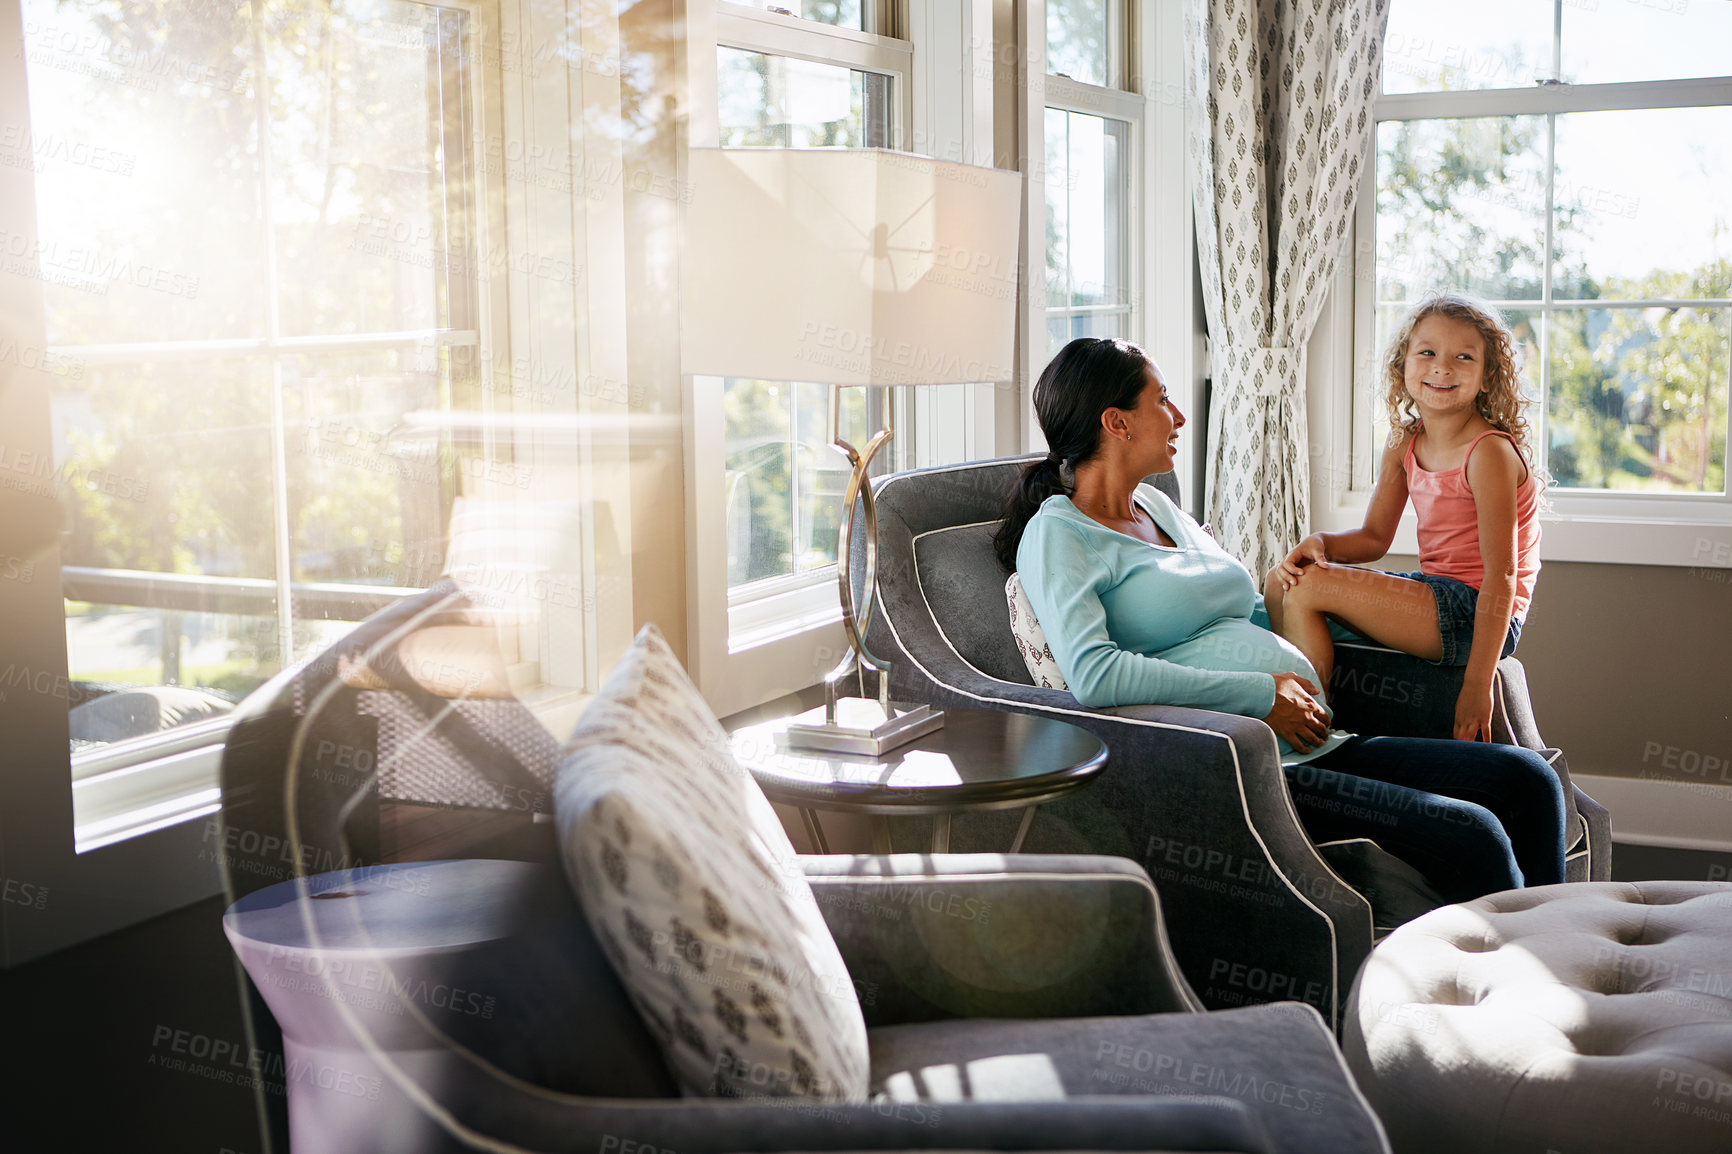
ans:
(849, 267)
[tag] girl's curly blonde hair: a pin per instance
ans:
(1501, 399)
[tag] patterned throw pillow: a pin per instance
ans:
(694, 891)
(1031, 639)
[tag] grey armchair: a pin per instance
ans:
(1013, 1003)
(1257, 912)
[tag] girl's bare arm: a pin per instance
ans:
(1494, 472)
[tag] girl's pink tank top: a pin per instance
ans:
(1449, 524)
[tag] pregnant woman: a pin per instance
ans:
(1140, 606)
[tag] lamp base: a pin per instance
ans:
(861, 727)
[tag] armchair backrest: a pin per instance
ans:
(935, 531)
(422, 755)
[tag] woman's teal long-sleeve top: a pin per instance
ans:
(1131, 623)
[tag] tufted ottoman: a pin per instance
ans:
(1570, 1019)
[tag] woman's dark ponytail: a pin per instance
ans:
(1087, 377)
(1040, 479)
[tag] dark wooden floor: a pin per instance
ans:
(92, 1037)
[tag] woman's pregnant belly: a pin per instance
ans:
(1235, 643)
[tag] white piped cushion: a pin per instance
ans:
(1576, 1018)
(1030, 638)
(694, 891)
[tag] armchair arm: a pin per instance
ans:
(1199, 798)
(1226, 825)
(708, 1127)
(987, 935)
(418, 1099)
(1376, 690)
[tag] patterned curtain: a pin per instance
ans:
(1279, 97)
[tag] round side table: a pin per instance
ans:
(431, 966)
(981, 759)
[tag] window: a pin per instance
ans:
(1085, 41)
(1088, 257)
(784, 483)
(1574, 165)
(763, 485)
(1090, 126)
(257, 241)
(780, 85)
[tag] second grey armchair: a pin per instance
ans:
(1256, 911)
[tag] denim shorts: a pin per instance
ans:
(1455, 605)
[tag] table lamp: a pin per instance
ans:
(850, 267)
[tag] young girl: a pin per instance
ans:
(1459, 449)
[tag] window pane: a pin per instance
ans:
(159, 471)
(116, 649)
(157, 467)
(138, 127)
(1100, 325)
(1432, 47)
(1643, 231)
(369, 496)
(366, 168)
(1638, 399)
(1461, 204)
(784, 484)
(1605, 41)
(1088, 226)
(1057, 333)
(1064, 327)
(779, 102)
(1076, 40)
(1058, 189)
(842, 13)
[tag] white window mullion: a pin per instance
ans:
(777, 35)
(1075, 96)
(1542, 419)
(1552, 98)
(273, 334)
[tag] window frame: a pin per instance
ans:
(771, 608)
(1166, 313)
(1607, 526)
(127, 788)
(154, 843)
(978, 74)
(764, 639)
(1070, 96)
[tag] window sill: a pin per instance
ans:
(777, 616)
(1593, 530)
(136, 788)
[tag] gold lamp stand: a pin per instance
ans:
(863, 725)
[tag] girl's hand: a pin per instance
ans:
(1297, 718)
(1308, 552)
(1473, 712)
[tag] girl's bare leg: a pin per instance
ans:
(1394, 611)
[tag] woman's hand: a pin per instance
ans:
(1308, 552)
(1298, 718)
(1473, 711)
